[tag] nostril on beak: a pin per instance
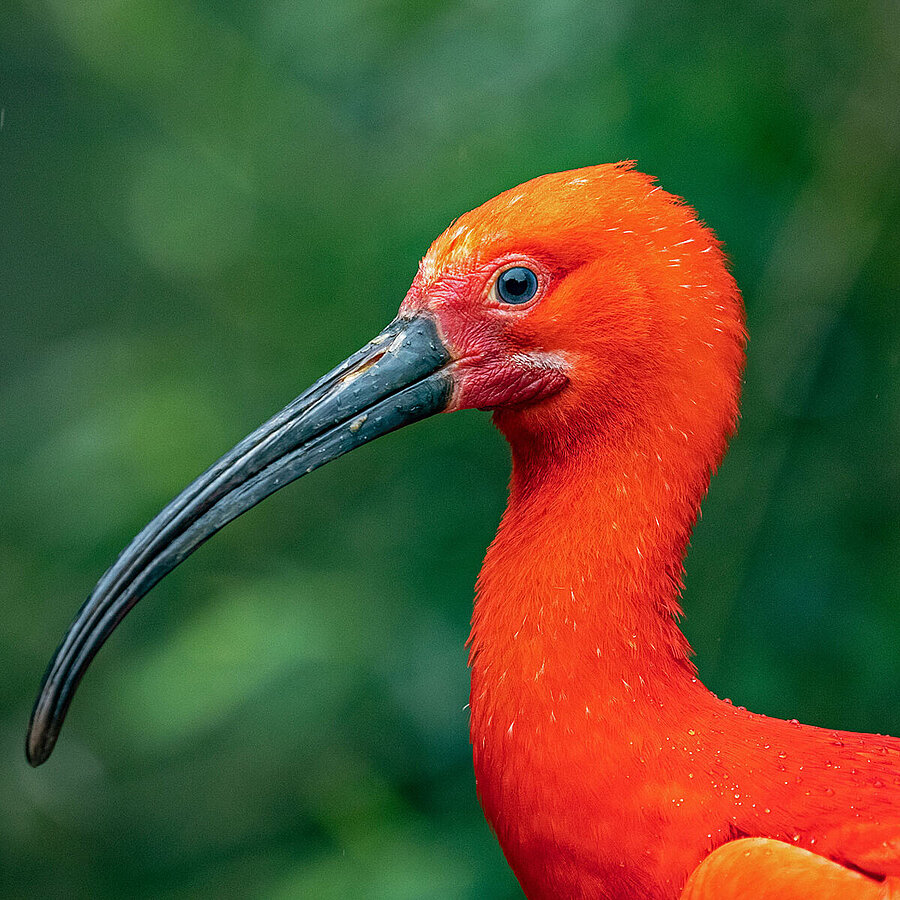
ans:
(364, 367)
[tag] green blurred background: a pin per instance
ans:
(204, 206)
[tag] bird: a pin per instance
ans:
(595, 315)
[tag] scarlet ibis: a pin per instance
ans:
(596, 316)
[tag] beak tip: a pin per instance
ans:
(39, 742)
(36, 754)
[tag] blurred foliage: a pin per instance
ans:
(207, 203)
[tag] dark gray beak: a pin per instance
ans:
(399, 377)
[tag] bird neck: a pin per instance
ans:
(580, 589)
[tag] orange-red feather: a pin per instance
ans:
(763, 869)
(606, 768)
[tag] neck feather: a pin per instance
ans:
(581, 586)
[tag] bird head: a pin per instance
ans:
(582, 304)
(582, 307)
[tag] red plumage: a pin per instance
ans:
(606, 768)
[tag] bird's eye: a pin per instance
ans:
(517, 285)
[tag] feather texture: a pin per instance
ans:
(605, 766)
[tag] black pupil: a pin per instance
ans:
(517, 285)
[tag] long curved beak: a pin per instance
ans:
(399, 377)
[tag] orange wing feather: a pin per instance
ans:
(765, 869)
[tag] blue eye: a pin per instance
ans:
(517, 285)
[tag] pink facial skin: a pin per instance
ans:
(495, 362)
